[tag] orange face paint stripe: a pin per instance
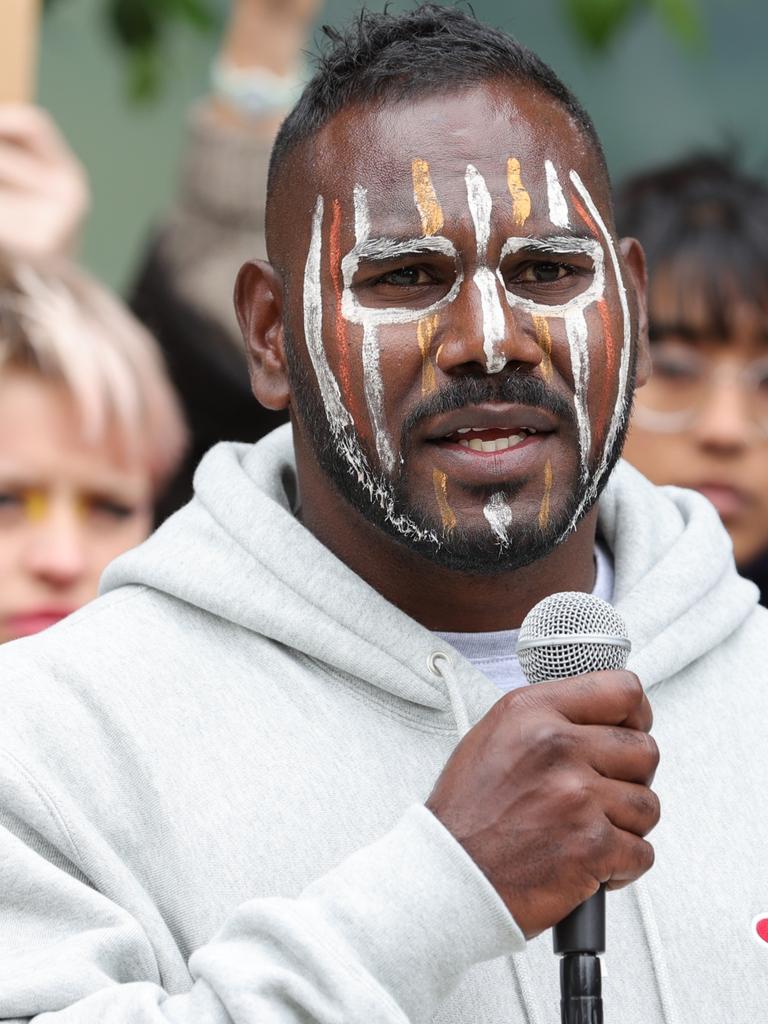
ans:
(447, 514)
(342, 338)
(426, 332)
(544, 340)
(432, 219)
(521, 201)
(606, 399)
(545, 501)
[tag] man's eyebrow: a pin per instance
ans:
(390, 248)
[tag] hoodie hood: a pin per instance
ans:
(237, 552)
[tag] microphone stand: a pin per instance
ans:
(578, 939)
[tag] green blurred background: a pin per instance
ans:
(653, 97)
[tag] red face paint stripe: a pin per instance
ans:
(342, 338)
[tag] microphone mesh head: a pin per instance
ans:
(571, 633)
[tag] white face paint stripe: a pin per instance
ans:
(481, 208)
(374, 395)
(576, 330)
(372, 382)
(338, 417)
(558, 207)
(499, 516)
(621, 405)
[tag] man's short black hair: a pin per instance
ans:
(396, 57)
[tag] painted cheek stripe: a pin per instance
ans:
(621, 406)
(425, 330)
(544, 341)
(428, 204)
(544, 510)
(338, 287)
(338, 417)
(447, 514)
(576, 330)
(521, 201)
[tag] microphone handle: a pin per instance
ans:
(577, 939)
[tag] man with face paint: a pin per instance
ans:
(302, 778)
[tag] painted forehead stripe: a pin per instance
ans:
(558, 206)
(427, 203)
(521, 201)
(481, 208)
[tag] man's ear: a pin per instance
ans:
(634, 260)
(259, 305)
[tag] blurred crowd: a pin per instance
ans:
(105, 412)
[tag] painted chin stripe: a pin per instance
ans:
(499, 517)
(424, 194)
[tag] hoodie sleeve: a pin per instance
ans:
(381, 939)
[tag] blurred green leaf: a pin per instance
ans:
(683, 20)
(597, 22)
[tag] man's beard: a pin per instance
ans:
(383, 499)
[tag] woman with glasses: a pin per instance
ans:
(702, 419)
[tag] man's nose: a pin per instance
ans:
(725, 422)
(57, 548)
(483, 333)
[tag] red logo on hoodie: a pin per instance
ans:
(760, 929)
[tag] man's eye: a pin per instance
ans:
(405, 277)
(543, 273)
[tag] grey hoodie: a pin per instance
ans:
(212, 784)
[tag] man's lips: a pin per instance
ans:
(492, 419)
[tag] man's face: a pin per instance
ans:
(467, 357)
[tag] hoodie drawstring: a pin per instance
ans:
(440, 665)
(643, 898)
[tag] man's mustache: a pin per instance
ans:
(517, 388)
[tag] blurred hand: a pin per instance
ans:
(549, 793)
(44, 193)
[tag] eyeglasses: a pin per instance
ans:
(682, 382)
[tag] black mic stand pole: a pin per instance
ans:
(578, 939)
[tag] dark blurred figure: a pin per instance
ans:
(702, 420)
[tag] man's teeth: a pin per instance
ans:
(499, 445)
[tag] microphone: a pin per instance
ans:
(565, 635)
